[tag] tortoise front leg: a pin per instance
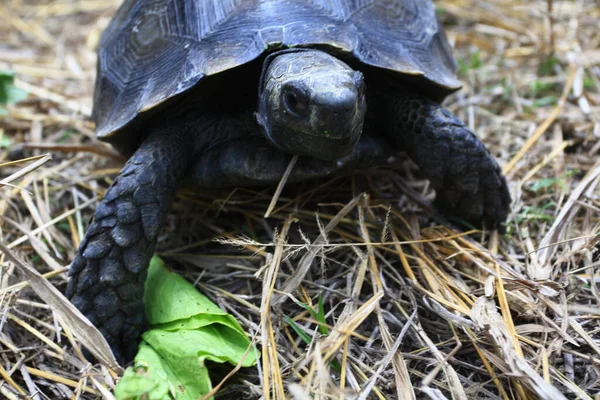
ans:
(468, 181)
(109, 270)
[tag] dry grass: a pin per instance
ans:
(413, 309)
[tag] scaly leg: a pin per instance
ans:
(468, 181)
(109, 270)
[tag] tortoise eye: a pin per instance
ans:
(295, 102)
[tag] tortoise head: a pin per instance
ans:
(311, 103)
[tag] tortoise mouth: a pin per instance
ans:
(320, 147)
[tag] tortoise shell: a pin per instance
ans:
(154, 50)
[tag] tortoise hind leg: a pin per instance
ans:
(108, 273)
(468, 181)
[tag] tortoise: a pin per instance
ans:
(225, 92)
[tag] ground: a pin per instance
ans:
(412, 307)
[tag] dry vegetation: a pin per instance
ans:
(412, 308)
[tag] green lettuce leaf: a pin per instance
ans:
(186, 329)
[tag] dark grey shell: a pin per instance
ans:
(155, 49)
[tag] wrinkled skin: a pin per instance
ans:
(219, 147)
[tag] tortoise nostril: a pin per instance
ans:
(342, 103)
(347, 101)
